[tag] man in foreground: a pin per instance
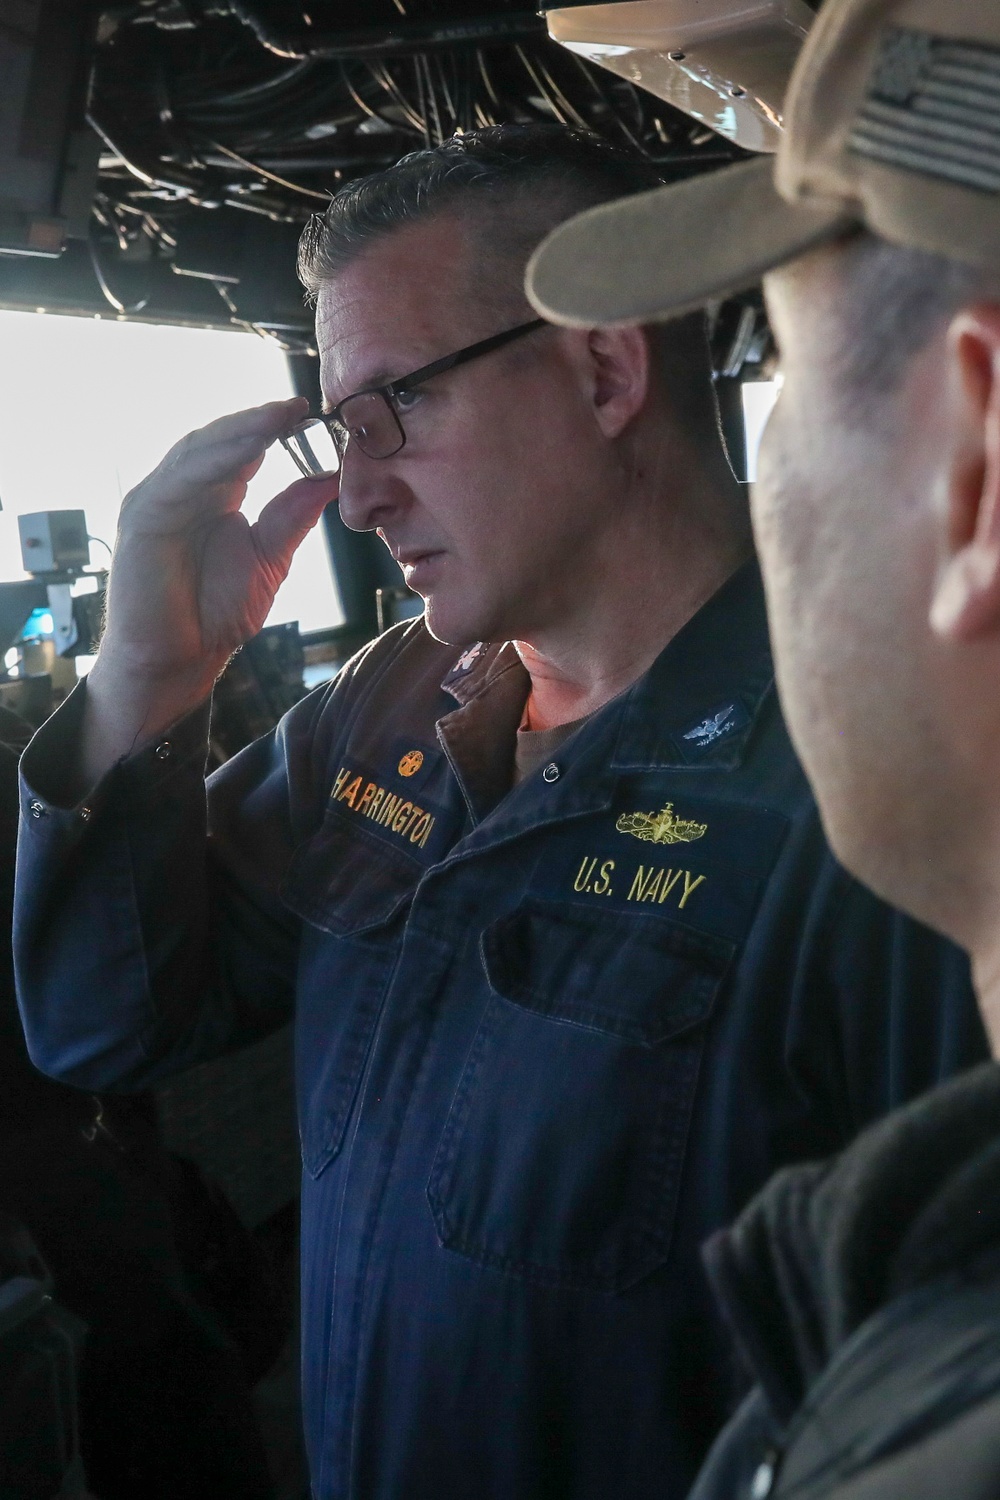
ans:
(572, 967)
(865, 1295)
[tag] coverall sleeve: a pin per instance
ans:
(149, 932)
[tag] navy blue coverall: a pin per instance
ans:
(548, 1039)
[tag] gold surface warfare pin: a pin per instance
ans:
(663, 827)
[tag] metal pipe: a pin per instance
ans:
(386, 41)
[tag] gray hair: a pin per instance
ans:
(546, 171)
(509, 185)
(898, 299)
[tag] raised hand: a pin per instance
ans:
(192, 579)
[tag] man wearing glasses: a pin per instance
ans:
(571, 965)
(371, 418)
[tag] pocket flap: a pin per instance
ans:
(345, 881)
(639, 978)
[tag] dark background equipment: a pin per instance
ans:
(222, 124)
(55, 550)
(54, 541)
(48, 156)
(216, 127)
(39, 1347)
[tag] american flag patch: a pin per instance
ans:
(933, 106)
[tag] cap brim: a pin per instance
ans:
(661, 254)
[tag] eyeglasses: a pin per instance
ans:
(371, 418)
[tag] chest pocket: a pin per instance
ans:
(561, 1157)
(353, 893)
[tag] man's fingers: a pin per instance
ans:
(247, 472)
(264, 423)
(287, 520)
(227, 450)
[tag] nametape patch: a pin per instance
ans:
(355, 792)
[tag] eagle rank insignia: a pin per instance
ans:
(713, 728)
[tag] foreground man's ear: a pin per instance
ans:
(966, 603)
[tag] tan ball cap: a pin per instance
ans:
(892, 121)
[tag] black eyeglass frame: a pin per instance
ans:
(337, 427)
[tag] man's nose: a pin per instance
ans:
(370, 493)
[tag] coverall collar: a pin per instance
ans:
(693, 709)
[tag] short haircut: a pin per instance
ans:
(510, 185)
(898, 299)
(548, 171)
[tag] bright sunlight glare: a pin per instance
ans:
(759, 397)
(88, 406)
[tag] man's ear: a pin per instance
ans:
(966, 603)
(620, 369)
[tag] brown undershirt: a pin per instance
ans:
(536, 747)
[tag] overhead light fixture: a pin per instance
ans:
(725, 62)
